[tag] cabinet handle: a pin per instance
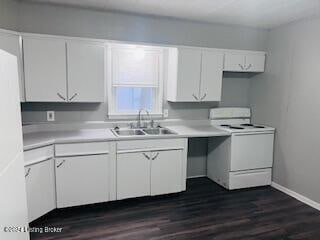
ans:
(146, 156)
(155, 156)
(60, 164)
(62, 97)
(241, 66)
(28, 172)
(74, 95)
(204, 96)
(250, 65)
(195, 97)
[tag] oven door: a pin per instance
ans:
(251, 150)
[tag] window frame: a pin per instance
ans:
(157, 97)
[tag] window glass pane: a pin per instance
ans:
(132, 99)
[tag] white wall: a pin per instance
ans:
(287, 97)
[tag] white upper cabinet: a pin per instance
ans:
(244, 62)
(184, 75)
(86, 72)
(57, 70)
(255, 62)
(234, 62)
(45, 70)
(194, 75)
(211, 76)
(10, 42)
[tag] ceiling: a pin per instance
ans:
(255, 13)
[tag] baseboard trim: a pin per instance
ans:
(197, 176)
(296, 195)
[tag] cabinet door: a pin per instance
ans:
(234, 62)
(166, 172)
(45, 70)
(40, 189)
(82, 180)
(255, 63)
(11, 44)
(133, 175)
(86, 78)
(211, 76)
(189, 67)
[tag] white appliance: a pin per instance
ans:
(245, 159)
(13, 202)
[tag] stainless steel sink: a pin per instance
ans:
(128, 132)
(158, 131)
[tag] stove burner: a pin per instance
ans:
(259, 127)
(236, 127)
(225, 125)
(247, 125)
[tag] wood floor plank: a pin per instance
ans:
(204, 211)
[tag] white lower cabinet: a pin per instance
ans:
(166, 172)
(133, 175)
(82, 180)
(153, 170)
(95, 172)
(40, 188)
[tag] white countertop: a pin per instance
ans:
(40, 139)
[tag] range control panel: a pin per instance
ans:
(229, 112)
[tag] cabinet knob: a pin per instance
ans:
(62, 97)
(204, 96)
(146, 156)
(249, 66)
(74, 95)
(28, 172)
(60, 164)
(195, 97)
(155, 156)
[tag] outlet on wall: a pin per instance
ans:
(50, 116)
(165, 113)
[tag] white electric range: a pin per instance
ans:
(245, 159)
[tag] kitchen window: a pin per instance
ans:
(135, 80)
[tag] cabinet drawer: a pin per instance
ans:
(79, 149)
(151, 144)
(251, 178)
(38, 155)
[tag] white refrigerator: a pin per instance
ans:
(13, 202)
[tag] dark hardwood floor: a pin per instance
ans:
(204, 211)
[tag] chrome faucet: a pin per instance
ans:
(139, 125)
